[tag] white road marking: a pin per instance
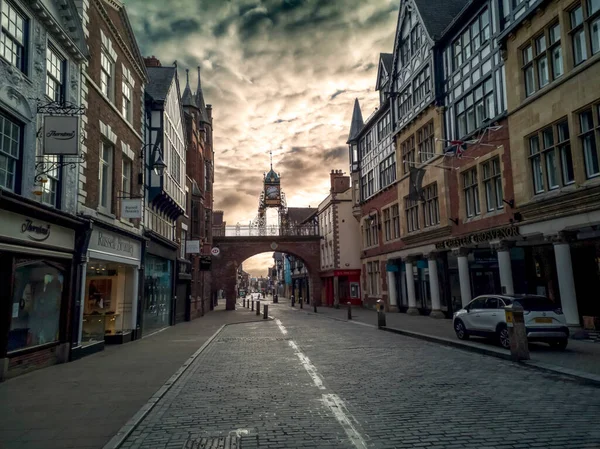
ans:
(339, 410)
(308, 366)
(332, 401)
(281, 327)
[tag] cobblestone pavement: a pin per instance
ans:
(307, 381)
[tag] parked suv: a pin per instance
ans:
(484, 316)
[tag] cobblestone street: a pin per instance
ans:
(306, 381)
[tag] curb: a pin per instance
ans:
(117, 440)
(574, 375)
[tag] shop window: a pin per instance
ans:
(542, 59)
(408, 154)
(492, 183)
(425, 142)
(589, 140)
(157, 293)
(36, 303)
(13, 43)
(412, 214)
(10, 149)
(550, 158)
(471, 193)
(55, 75)
(431, 207)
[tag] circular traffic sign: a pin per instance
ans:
(215, 251)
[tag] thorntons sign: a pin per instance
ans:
(109, 242)
(479, 237)
(61, 135)
(35, 231)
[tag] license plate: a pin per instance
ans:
(543, 320)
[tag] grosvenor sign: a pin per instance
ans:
(479, 237)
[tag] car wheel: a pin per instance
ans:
(461, 331)
(560, 344)
(503, 337)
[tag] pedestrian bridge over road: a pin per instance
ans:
(238, 243)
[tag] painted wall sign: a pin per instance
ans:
(29, 229)
(61, 135)
(109, 242)
(479, 237)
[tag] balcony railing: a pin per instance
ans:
(256, 231)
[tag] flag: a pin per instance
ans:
(457, 148)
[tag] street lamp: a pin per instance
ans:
(157, 163)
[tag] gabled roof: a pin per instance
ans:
(438, 15)
(384, 69)
(357, 121)
(300, 214)
(160, 80)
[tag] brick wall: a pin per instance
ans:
(30, 362)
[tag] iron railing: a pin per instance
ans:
(258, 231)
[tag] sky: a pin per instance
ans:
(282, 76)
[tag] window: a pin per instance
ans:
(585, 28)
(55, 75)
(578, 35)
(404, 103)
(52, 177)
(127, 108)
(425, 141)
(475, 108)
(408, 154)
(542, 60)
(14, 36)
(107, 68)
(384, 126)
(370, 186)
(395, 221)
(421, 85)
(106, 172)
(412, 214)
(126, 177)
(471, 192)
(371, 231)
(363, 188)
(387, 224)
(10, 148)
(550, 158)
(471, 39)
(415, 38)
(492, 182)
(373, 277)
(589, 143)
(182, 244)
(369, 142)
(405, 52)
(387, 171)
(431, 208)
(37, 300)
(361, 148)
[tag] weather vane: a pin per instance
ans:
(271, 155)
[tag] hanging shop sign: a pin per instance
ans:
(205, 263)
(192, 246)
(131, 208)
(479, 237)
(61, 135)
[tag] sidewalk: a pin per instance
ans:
(82, 404)
(580, 357)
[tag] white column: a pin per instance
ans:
(434, 286)
(505, 268)
(134, 305)
(82, 300)
(566, 283)
(463, 276)
(410, 288)
(392, 292)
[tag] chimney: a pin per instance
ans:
(339, 182)
(152, 62)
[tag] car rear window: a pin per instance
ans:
(535, 303)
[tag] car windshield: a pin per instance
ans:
(534, 303)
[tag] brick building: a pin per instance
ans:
(113, 93)
(200, 178)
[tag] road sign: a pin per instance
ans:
(215, 251)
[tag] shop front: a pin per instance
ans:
(159, 274)
(110, 289)
(37, 275)
(343, 285)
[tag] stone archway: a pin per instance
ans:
(235, 250)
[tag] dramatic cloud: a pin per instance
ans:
(282, 76)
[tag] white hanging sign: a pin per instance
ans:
(61, 135)
(192, 246)
(131, 208)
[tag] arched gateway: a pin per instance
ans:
(296, 233)
(235, 249)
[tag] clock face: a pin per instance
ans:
(272, 192)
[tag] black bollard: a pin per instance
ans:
(252, 304)
(258, 307)
(349, 310)
(243, 302)
(293, 300)
(266, 312)
(380, 314)
(301, 302)
(315, 306)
